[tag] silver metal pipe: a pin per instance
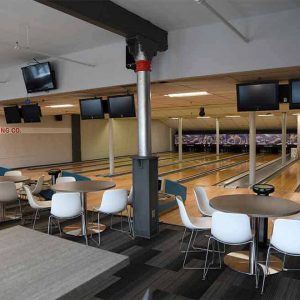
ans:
(180, 139)
(283, 137)
(217, 136)
(144, 113)
(111, 154)
(227, 23)
(252, 148)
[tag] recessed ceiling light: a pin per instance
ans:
(60, 105)
(190, 94)
(266, 115)
(232, 116)
(207, 117)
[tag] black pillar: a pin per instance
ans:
(76, 138)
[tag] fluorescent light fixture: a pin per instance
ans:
(296, 114)
(266, 115)
(60, 105)
(203, 117)
(232, 116)
(190, 94)
(173, 118)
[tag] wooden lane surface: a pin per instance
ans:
(288, 180)
(228, 173)
(173, 167)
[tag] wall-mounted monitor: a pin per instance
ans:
(39, 77)
(12, 114)
(295, 94)
(91, 109)
(257, 96)
(31, 113)
(121, 106)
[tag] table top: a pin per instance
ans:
(42, 266)
(255, 206)
(15, 179)
(83, 186)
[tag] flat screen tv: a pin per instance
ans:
(121, 106)
(39, 77)
(295, 94)
(257, 96)
(31, 113)
(91, 109)
(12, 114)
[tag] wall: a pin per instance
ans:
(94, 138)
(36, 143)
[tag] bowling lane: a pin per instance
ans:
(288, 180)
(221, 175)
(200, 169)
(174, 167)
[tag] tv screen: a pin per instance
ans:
(257, 96)
(91, 109)
(121, 106)
(31, 113)
(12, 114)
(295, 94)
(39, 77)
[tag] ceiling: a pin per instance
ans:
(220, 102)
(176, 14)
(49, 30)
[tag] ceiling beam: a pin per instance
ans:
(112, 17)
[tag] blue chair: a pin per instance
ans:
(75, 175)
(3, 171)
(172, 188)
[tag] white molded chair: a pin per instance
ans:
(230, 229)
(15, 173)
(8, 195)
(36, 204)
(35, 188)
(203, 202)
(285, 239)
(65, 179)
(113, 202)
(64, 206)
(194, 224)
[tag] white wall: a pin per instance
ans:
(94, 138)
(37, 143)
(196, 51)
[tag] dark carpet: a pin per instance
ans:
(156, 265)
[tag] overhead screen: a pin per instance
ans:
(91, 109)
(12, 114)
(39, 77)
(295, 94)
(31, 113)
(257, 96)
(121, 106)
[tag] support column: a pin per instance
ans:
(145, 166)
(217, 136)
(283, 137)
(252, 148)
(111, 154)
(180, 139)
(171, 139)
(298, 135)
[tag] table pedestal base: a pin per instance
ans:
(239, 261)
(75, 229)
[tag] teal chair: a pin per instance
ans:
(75, 175)
(172, 188)
(3, 171)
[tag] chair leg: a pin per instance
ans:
(266, 271)
(58, 223)
(99, 233)
(206, 257)
(35, 217)
(180, 248)
(187, 250)
(49, 224)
